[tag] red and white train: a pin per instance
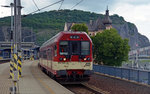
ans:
(67, 56)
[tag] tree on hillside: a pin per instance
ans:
(109, 48)
(80, 27)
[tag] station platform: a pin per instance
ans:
(33, 81)
(5, 82)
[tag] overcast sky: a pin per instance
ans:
(135, 11)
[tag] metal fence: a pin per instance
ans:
(124, 73)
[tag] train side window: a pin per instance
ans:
(63, 48)
(45, 55)
(55, 50)
(41, 54)
(49, 54)
(6, 54)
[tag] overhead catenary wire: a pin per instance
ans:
(39, 9)
(44, 7)
(61, 5)
(76, 4)
(36, 5)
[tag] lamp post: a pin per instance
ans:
(11, 32)
(11, 5)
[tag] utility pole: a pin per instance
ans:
(12, 44)
(15, 70)
(15, 26)
(19, 25)
(19, 37)
(17, 44)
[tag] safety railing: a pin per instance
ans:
(140, 76)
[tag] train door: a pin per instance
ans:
(45, 58)
(75, 50)
(49, 57)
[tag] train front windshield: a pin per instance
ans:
(74, 48)
(85, 48)
(64, 48)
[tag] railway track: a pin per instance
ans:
(95, 89)
(4, 61)
(84, 88)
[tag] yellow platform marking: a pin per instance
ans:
(45, 85)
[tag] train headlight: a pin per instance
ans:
(65, 59)
(84, 59)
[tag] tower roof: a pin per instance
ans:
(106, 19)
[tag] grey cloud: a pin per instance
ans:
(88, 5)
(134, 2)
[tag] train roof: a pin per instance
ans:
(60, 34)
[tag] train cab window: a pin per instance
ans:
(63, 48)
(85, 48)
(75, 47)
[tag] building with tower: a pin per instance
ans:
(94, 26)
(107, 21)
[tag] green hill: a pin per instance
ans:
(56, 19)
(51, 22)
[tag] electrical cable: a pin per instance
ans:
(47, 6)
(43, 8)
(76, 4)
(36, 5)
(61, 4)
